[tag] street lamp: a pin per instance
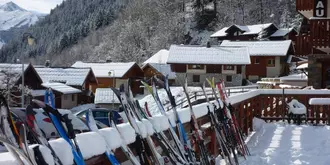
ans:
(29, 39)
(112, 74)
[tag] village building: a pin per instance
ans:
(113, 74)
(71, 86)
(105, 98)
(313, 40)
(11, 82)
(254, 32)
(268, 58)
(199, 63)
(157, 65)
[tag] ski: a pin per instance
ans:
(93, 127)
(56, 119)
(37, 133)
(127, 151)
(25, 145)
(204, 158)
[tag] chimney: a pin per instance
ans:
(108, 59)
(47, 63)
(208, 44)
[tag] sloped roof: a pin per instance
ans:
(13, 68)
(248, 29)
(160, 57)
(262, 48)
(164, 69)
(189, 54)
(62, 88)
(105, 96)
(282, 32)
(14, 71)
(68, 76)
(103, 69)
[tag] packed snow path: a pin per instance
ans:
(284, 144)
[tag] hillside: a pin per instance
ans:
(134, 30)
(13, 17)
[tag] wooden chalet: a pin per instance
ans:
(71, 86)
(113, 74)
(156, 66)
(268, 58)
(313, 40)
(255, 32)
(199, 63)
(11, 79)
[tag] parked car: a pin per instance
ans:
(101, 115)
(45, 123)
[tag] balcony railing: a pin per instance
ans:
(304, 5)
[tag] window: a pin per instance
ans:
(196, 66)
(196, 78)
(271, 62)
(256, 61)
(228, 67)
(229, 78)
(97, 114)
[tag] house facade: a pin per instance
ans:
(71, 86)
(254, 32)
(313, 40)
(112, 74)
(199, 63)
(268, 58)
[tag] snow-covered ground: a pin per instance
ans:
(284, 144)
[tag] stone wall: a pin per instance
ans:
(180, 78)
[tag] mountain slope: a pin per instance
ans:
(13, 16)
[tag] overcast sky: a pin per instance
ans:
(42, 6)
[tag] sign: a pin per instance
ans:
(320, 8)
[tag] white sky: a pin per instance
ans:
(42, 6)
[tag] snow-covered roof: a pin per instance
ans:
(190, 54)
(302, 66)
(62, 88)
(105, 96)
(68, 76)
(262, 48)
(103, 69)
(165, 69)
(38, 92)
(247, 29)
(13, 68)
(160, 57)
(282, 32)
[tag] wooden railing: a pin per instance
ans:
(303, 5)
(303, 45)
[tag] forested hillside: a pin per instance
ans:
(133, 30)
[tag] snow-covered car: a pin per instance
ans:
(45, 123)
(101, 115)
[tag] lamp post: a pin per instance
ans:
(112, 74)
(27, 37)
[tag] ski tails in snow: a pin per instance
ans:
(56, 119)
(93, 127)
(25, 145)
(37, 133)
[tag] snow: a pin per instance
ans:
(296, 107)
(62, 88)
(112, 137)
(191, 54)
(62, 150)
(297, 76)
(159, 58)
(105, 96)
(262, 48)
(280, 143)
(164, 69)
(106, 70)
(302, 66)
(248, 29)
(68, 76)
(7, 159)
(91, 144)
(128, 133)
(46, 153)
(282, 32)
(160, 122)
(319, 101)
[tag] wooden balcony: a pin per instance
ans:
(304, 5)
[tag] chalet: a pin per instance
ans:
(254, 32)
(199, 63)
(268, 58)
(156, 66)
(313, 40)
(112, 74)
(71, 86)
(11, 79)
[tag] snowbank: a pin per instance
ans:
(112, 137)
(128, 133)
(91, 144)
(62, 150)
(319, 101)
